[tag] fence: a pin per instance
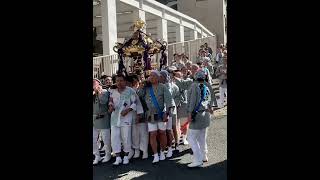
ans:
(108, 65)
(191, 48)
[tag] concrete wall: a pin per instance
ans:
(210, 13)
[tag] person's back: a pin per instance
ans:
(200, 106)
(194, 95)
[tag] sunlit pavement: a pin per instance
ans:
(176, 167)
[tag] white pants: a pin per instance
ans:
(140, 136)
(121, 135)
(221, 99)
(105, 135)
(198, 141)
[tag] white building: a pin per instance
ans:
(171, 3)
(211, 13)
(112, 19)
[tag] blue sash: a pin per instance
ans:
(155, 102)
(202, 98)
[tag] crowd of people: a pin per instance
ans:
(163, 109)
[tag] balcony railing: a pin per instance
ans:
(108, 65)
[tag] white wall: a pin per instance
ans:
(210, 13)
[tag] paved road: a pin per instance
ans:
(176, 167)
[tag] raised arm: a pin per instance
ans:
(104, 97)
(183, 84)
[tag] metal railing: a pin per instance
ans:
(108, 65)
(191, 48)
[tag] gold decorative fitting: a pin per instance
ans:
(139, 24)
(133, 49)
(136, 48)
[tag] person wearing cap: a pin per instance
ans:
(122, 104)
(221, 73)
(159, 103)
(199, 108)
(101, 121)
(140, 135)
(174, 91)
(185, 84)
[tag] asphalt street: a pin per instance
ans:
(175, 167)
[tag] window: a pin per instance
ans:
(175, 7)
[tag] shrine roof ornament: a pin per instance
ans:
(139, 24)
(140, 45)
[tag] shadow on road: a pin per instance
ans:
(168, 169)
(175, 170)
